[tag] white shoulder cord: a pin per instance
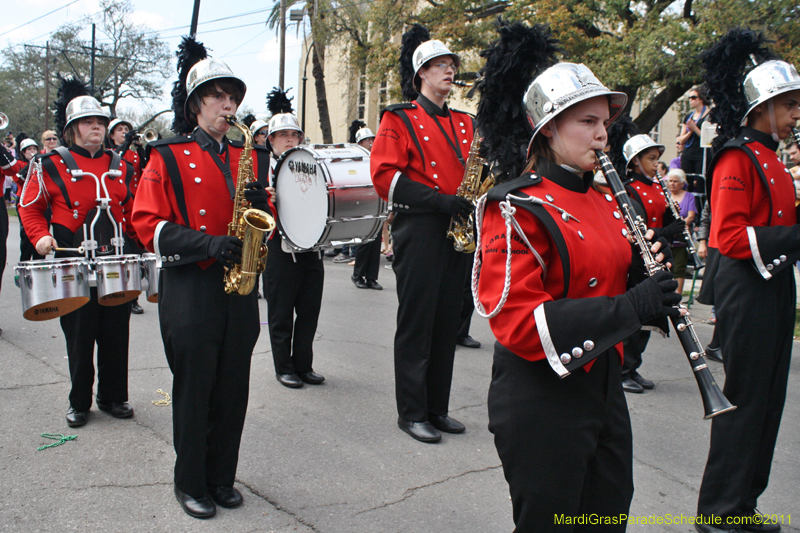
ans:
(508, 211)
(34, 171)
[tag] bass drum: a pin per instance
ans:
(325, 197)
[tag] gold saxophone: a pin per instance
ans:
(249, 225)
(471, 188)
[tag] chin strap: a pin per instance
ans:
(434, 90)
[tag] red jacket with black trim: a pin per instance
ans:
(412, 144)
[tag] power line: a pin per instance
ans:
(40, 17)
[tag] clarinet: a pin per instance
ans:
(714, 402)
(698, 263)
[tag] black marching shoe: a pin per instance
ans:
(645, 383)
(289, 380)
(468, 342)
(446, 424)
(759, 523)
(374, 285)
(116, 409)
(422, 431)
(199, 508)
(76, 419)
(715, 354)
(224, 496)
(359, 282)
(628, 385)
(136, 309)
(312, 378)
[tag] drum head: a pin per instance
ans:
(302, 198)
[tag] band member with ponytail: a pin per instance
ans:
(754, 227)
(368, 256)
(417, 164)
(73, 202)
(574, 290)
(184, 204)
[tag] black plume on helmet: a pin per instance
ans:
(278, 102)
(619, 132)
(414, 37)
(69, 89)
(354, 127)
(190, 52)
(725, 66)
(249, 119)
(512, 61)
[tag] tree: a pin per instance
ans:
(647, 49)
(131, 63)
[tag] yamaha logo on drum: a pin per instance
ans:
(304, 173)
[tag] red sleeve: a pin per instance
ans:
(731, 204)
(32, 216)
(390, 153)
(153, 201)
(514, 327)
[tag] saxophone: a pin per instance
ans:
(471, 188)
(249, 225)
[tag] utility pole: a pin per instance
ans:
(91, 73)
(282, 64)
(195, 16)
(47, 87)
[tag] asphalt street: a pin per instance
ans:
(326, 458)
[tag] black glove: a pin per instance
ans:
(130, 135)
(655, 297)
(255, 193)
(666, 250)
(672, 230)
(5, 156)
(454, 205)
(225, 249)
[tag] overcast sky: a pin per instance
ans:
(242, 40)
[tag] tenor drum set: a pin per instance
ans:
(325, 197)
(53, 288)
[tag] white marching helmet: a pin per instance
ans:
(364, 133)
(207, 70)
(116, 122)
(283, 121)
(638, 144)
(258, 125)
(429, 50)
(561, 86)
(84, 106)
(27, 143)
(767, 80)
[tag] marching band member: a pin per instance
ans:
(82, 125)
(293, 281)
(368, 256)
(18, 170)
(183, 207)
(754, 227)
(556, 405)
(119, 137)
(417, 164)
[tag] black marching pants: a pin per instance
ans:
(108, 327)
(565, 444)
(468, 306)
(293, 288)
(430, 284)
(755, 321)
(209, 338)
(368, 260)
(633, 347)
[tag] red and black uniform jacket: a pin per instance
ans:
(17, 171)
(133, 157)
(419, 151)
(752, 198)
(72, 198)
(650, 196)
(563, 304)
(185, 195)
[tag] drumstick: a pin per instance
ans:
(79, 249)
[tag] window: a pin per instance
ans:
(362, 96)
